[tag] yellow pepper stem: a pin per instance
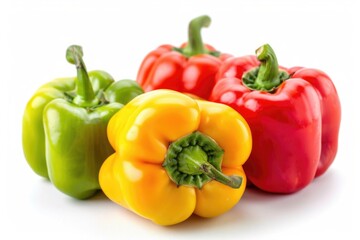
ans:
(194, 160)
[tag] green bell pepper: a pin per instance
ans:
(64, 126)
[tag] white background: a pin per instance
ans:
(115, 36)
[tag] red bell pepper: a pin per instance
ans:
(189, 69)
(294, 116)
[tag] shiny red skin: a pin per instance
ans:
(165, 68)
(295, 129)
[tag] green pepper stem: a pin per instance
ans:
(196, 159)
(85, 96)
(268, 76)
(195, 44)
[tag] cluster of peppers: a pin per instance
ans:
(208, 125)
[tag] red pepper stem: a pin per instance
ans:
(268, 76)
(85, 96)
(195, 44)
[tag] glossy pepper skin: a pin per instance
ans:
(64, 126)
(294, 115)
(169, 147)
(189, 69)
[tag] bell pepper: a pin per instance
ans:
(190, 68)
(294, 115)
(175, 156)
(64, 126)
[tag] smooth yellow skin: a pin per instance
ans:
(141, 132)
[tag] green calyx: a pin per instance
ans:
(194, 160)
(195, 44)
(85, 96)
(267, 77)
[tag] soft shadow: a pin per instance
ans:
(98, 197)
(260, 209)
(255, 210)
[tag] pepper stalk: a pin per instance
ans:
(195, 44)
(267, 77)
(85, 96)
(194, 160)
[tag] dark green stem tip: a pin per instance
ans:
(201, 21)
(73, 52)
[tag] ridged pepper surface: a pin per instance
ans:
(64, 126)
(176, 156)
(294, 115)
(190, 68)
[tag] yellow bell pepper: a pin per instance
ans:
(175, 156)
